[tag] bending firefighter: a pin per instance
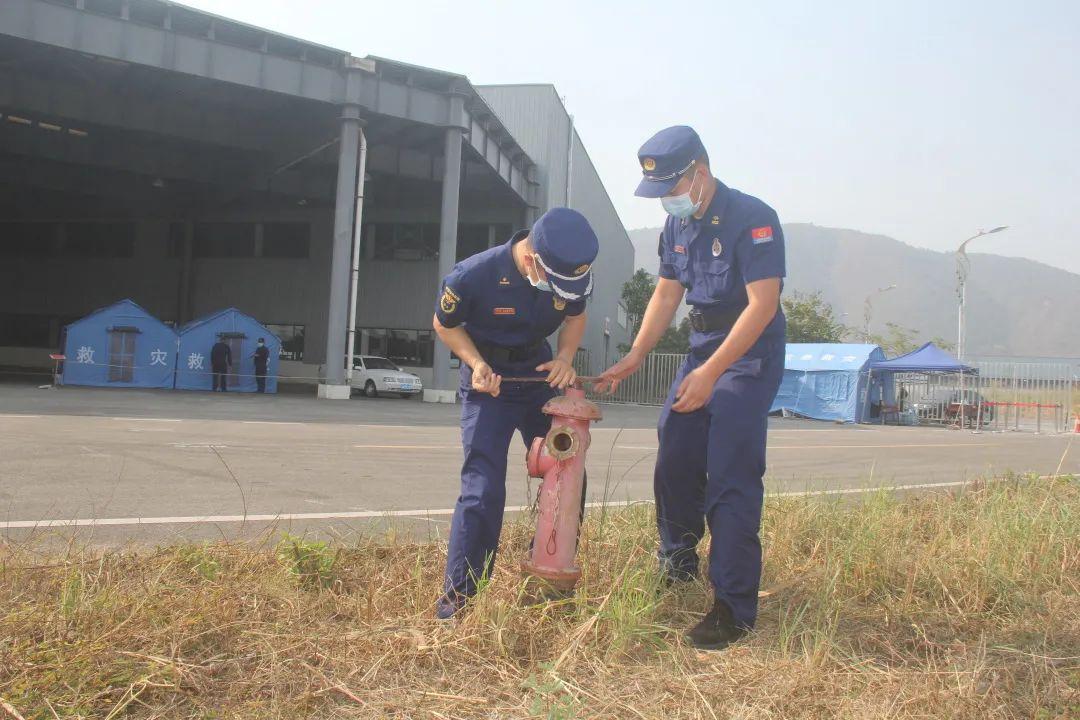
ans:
(495, 311)
(724, 251)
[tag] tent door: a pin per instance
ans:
(122, 356)
(235, 341)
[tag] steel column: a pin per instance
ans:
(448, 230)
(344, 212)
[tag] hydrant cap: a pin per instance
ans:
(572, 407)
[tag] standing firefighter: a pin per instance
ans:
(261, 357)
(725, 251)
(495, 311)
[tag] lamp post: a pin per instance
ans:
(963, 267)
(867, 308)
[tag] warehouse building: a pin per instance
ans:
(193, 163)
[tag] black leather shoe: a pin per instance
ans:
(677, 579)
(716, 630)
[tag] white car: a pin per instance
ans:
(374, 375)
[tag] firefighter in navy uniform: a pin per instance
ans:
(724, 251)
(495, 311)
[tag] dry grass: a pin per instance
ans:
(962, 605)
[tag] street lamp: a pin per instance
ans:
(867, 309)
(962, 268)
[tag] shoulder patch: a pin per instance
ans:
(761, 235)
(449, 301)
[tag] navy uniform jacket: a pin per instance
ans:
(737, 241)
(487, 295)
(220, 355)
(262, 357)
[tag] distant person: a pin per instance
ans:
(262, 358)
(220, 362)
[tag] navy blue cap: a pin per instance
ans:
(567, 247)
(665, 157)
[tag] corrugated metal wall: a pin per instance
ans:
(539, 122)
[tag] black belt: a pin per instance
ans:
(706, 319)
(508, 354)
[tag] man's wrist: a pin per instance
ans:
(714, 367)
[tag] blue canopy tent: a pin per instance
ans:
(927, 359)
(241, 333)
(121, 345)
(830, 381)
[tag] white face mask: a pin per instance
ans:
(541, 285)
(682, 206)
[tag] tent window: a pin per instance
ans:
(122, 354)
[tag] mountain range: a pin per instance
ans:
(1015, 307)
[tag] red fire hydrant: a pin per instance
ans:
(559, 458)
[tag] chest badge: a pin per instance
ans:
(506, 311)
(715, 220)
(717, 248)
(504, 281)
(559, 303)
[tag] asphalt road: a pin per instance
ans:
(118, 465)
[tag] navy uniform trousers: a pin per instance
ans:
(487, 427)
(709, 468)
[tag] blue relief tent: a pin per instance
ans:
(241, 333)
(831, 381)
(121, 345)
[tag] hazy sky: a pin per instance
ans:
(923, 120)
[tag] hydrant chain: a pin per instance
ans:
(552, 544)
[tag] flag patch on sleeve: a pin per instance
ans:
(761, 235)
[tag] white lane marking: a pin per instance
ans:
(146, 419)
(194, 520)
(838, 447)
(858, 490)
(269, 422)
(149, 429)
(5, 415)
(840, 428)
(281, 517)
(408, 447)
(877, 447)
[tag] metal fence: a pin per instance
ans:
(650, 384)
(1003, 395)
(1014, 396)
